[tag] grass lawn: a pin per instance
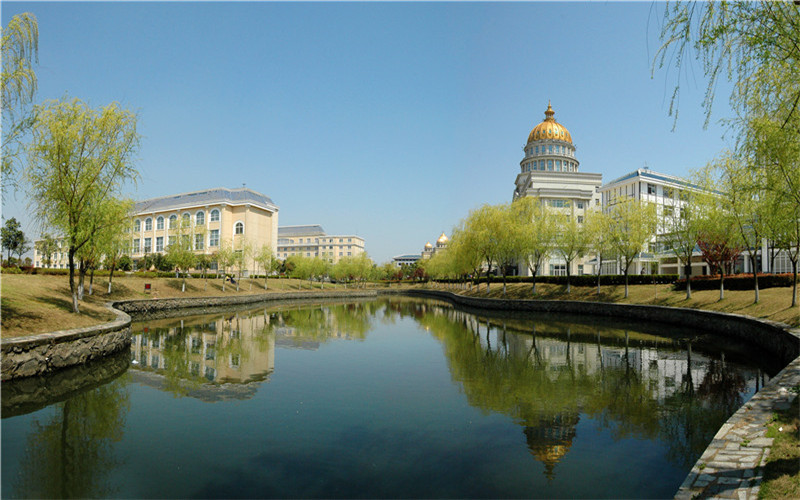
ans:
(774, 303)
(38, 303)
(782, 472)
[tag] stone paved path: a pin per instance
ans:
(732, 465)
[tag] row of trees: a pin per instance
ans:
(756, 45)
(721, 226)
(529, 232)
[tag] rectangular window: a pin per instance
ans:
(136, 245)
(171, 241)
(580, 205)
(580, 219)
(148, 245)
(551, 149)
(668, 193)
(160, 223)
(159, 244)
(213, 238)
(198, 241)
(651, 188)
(148, 224)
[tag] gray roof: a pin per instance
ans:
(309, 230)
(414, 256)
(220, 195)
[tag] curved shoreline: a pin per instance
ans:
(731, 464)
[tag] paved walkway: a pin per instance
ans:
(732, 465)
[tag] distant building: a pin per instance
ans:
(215, 216)
(212, 216)
(429, 250)
(312, 241)
(408, 259)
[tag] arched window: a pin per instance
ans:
(215, 215)
(160, 222)
(187, 219)
(172, 220)
(148, 224)
(200, 218)
(137, 225)
(238, 228)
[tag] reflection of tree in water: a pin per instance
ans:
(70, 455)
(322, 323)
(547, 393)
(695, 416)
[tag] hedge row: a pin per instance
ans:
(737, 282)
(581, 280)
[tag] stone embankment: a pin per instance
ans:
(732, 465)
(47, 352)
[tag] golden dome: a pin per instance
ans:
(428, 245)
(550, 129)
(442, 239)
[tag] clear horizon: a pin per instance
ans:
(389, 120)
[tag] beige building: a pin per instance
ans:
(215, 217)
(550, 171)
(312, 241)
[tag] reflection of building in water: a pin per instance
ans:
(550, 438)
(233, 349)
(554, 372)
(662, 368)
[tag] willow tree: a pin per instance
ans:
(681, 226)
(571, 241)
(20, 50)
(538, 227)
(756, 45)
(598, 228)
(79, 158)
(633, 225)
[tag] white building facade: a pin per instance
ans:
(551, 172)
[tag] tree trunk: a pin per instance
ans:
(504, 284)
(794, 283)
(183, 284)
(721, 282)
(81, 279)
(755, 276)
(569, 289)
(687, 269)
(91, 282)
(73, 291)
(111, 277)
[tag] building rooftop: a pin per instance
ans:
(646, 173)
(414, 256)
(307, 230)
(220, 195)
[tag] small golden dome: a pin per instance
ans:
(442, 239)
(549, 129)
(428, 245)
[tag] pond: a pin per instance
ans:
(395, 397)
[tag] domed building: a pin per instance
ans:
(551, 171)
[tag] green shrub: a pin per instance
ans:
(11, 270)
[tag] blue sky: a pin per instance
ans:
(386, 120)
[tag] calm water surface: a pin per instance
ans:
(388, 398)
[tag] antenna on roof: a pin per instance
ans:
(645, 166)
(244, 184)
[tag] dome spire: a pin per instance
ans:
(549, 113)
